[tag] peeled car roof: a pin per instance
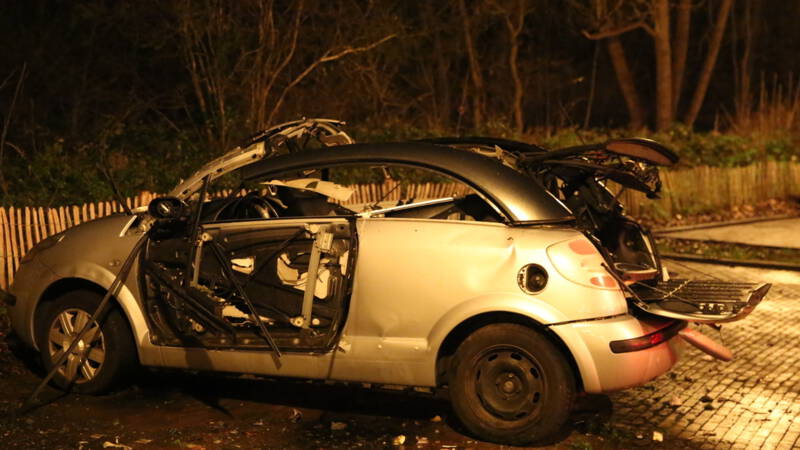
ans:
(520, 199)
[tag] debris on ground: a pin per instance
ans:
(108, 444)
(336, 426)
(658, 436)
(295, 416)
(399, 440)
(436, 419)
(706, 399)
(422, 440)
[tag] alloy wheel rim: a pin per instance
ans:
(87, 357)
(509, 383)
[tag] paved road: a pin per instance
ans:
(778, 233)
(750, 402)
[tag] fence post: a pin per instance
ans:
(5, 255)
(27, 229)
(12, 224)
(36, 235)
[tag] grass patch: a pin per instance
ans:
(726, 250)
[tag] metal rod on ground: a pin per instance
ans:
(101, 308)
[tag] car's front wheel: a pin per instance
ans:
(511, 385)
(101, 360)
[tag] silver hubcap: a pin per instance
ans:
(91, 349)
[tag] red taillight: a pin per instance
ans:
(648, 340)
(580, 262)
(582, 247)
(603, 281)
(657, 338)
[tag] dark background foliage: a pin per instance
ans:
(152, 89)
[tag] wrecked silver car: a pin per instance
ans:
(523, 289)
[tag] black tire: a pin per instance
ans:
(111, 352)
(509, 384)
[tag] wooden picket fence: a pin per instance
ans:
(691, 190)
(23, 227)
(703, 189)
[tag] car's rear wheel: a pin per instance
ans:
(101, 360)
(510, 384)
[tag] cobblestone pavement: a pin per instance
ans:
(750, 402)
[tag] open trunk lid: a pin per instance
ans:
(578, 177)
(701, 301)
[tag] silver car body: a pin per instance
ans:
(401, 309)
(403, 306)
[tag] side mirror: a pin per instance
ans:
(167, 208)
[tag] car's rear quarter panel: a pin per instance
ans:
(416, 280)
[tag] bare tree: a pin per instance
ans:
(514, 18)
(610, 22)
(627, 85)
(680, 49)
(233, 72)
(479, 93)
(7, 122)
(328, 56)
(612, 18)
(746, 31)
(663, 49)
(710, 61)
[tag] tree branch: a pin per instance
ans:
(326, 57)
(7, 124)
(284, 63)
(603, 34)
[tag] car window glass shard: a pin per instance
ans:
(243, 265)
(239, 318)
(326, 188)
